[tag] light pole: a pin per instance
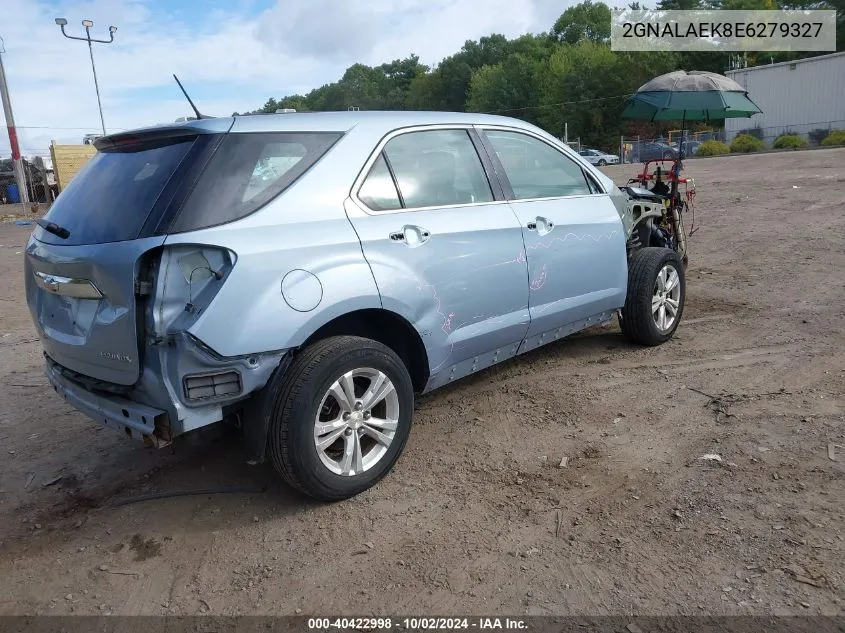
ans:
(88, 24)
(17, 164)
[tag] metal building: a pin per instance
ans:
(803, 96)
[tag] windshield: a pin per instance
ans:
(110, 199)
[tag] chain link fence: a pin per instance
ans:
(639, 149)
(813, 133)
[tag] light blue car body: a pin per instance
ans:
(475, 283)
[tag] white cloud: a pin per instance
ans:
(228, 60)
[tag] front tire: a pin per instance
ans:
(341, 415)
(602, 163)
(655, 300)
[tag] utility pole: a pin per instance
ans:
(13, 133)
(61, 22)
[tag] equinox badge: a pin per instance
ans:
(112, 356)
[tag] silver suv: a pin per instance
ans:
(304, 275)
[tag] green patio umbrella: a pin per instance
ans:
(696, 95)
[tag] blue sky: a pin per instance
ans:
(230, 55)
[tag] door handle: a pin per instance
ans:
(412, 235)
(541, 225)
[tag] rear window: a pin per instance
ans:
(110, 198)
(246, 172)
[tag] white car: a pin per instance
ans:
(599, 158)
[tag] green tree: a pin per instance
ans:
(487, 51)
(585, 21)
(455, 76)
(363, 87)
(456, 71)
(756, 5)
(327, 97)
(535, 46)
(270, 106)
(836, 5)
(508, 87)
(685, 5)
(426, 92)
(568, 75)
(399, 76)
(296, 102)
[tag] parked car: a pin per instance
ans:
(305, 275)
(690, 147)
(89, 139)
(597, 157)
(655, 151)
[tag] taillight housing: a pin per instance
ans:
(187, 278)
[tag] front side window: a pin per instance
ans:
(595, 187)
(437, 168)
(535, 169)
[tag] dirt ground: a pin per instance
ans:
(479, 516)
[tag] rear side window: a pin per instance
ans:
(432, 169)
(379, 191)
(110, 199)
(246, 172)
(535, 169)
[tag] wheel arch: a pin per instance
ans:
(388, 328)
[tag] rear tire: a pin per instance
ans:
(656, 293)
(322, 438)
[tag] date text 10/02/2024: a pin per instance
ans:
(417, 623)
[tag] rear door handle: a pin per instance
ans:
(411, 235)
(541, 225)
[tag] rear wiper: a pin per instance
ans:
(53, 228)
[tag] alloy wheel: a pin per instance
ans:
(665, 300)
(356, 421)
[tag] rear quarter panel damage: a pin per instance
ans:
(250, 314)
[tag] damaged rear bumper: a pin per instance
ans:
(138, 421)
(183, 386)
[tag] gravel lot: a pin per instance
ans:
(479, 517)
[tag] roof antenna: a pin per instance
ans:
(184, 92)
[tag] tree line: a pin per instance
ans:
(566, 77)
